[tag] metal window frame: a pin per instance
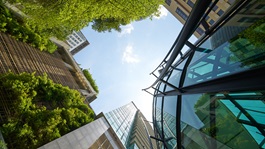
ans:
(232, 82)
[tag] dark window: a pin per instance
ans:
(190, 3)
(199, 30)
(260, 6)
(215, 8)
(248, 19)
(207, 18)
(231, 1)
(211, 22)
(220, 12)
(181, 14)
(168, 2)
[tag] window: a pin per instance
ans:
(190, 3)
(199, 31)
(207, 18)
(220, 12)
(215, 8)
(211, 22)
(231, 1)
(168, 2)
(181, 14)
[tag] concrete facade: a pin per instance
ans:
(77, 41)
(94, 135)
(182, 8)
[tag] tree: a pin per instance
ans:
(25, 33)
(107, 24)
(42, 110)
(61, 17)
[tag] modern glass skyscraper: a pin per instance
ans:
(212, 95)
(130, 126)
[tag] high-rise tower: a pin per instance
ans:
(131, 127)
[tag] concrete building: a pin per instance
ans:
(212, 95)
(77, 41)
(95, 135)
(181, 10)
(131, 127)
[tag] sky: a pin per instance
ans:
(120, 62)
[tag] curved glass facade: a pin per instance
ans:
(213, 95)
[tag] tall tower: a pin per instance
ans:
(131, 126)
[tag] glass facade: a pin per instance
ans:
(121, 120)
(213, 95)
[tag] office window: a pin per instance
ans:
(181, 14)
(220, 12)
(207, 18)
(168, 2)
(211, 22)
(199, 30)
(231, 1)
(190, 3)
(215, 8)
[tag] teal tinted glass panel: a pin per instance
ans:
(213, 121)
(243, 52)
(253, 108)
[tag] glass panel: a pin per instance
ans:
(158, 112)
(245, 51)
(174, 78)
(161, 87)
(220, 121)
(169, 120)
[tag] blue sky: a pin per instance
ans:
(121, 62)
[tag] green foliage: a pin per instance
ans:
(24, 32)
(107, 25)
(2, 144)
(90, 80)
(60, 17)
(205, 98)
(255, 33)
(43, 111)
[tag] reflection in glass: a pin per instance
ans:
(223, 119)
(243, 52)
(175, 75)
(169, 120)
(224, 125)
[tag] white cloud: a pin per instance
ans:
(163, 12)
(129, 56)
(127, 29)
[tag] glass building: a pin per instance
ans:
(131, 127)
(211, 93)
